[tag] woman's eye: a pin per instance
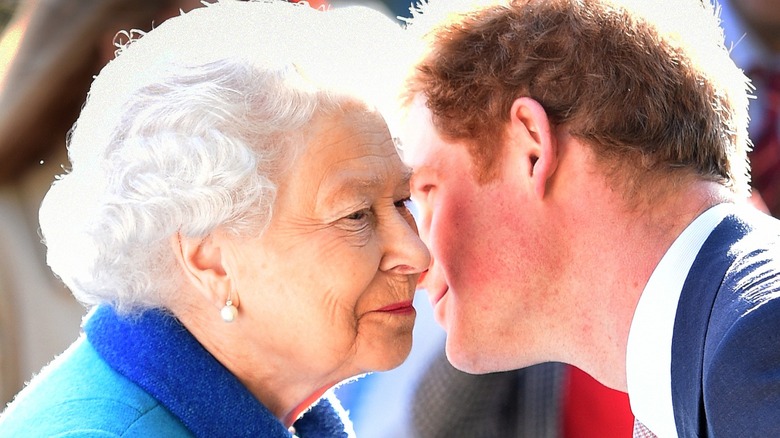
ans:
(404, 203)
(359, 215)
(406, 206)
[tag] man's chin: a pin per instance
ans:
(440, 313)
(467, 358)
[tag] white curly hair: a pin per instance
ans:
(189, 129)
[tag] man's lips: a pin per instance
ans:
(435, 297)
(401, 307)
(421, 278)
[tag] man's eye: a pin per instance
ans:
(424, 189)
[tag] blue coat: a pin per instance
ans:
(726, 342)
(147, 377)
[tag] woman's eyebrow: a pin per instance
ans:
(347, 184)
(406, 176)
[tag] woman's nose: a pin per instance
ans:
(405, 252)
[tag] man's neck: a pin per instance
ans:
(617, 256)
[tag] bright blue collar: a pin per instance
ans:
(158, 354)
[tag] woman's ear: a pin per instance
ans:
(529, 124)
(203, 263)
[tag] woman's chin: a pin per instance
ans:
(391, 356)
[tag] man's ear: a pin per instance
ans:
(528, 124)
(202, 262)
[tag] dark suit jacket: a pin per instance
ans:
(726, 344)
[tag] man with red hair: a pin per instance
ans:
(581, 173)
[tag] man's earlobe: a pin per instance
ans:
(528, 119)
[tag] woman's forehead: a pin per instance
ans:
(348, 153)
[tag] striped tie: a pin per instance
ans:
(641, 431)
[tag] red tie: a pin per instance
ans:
(590, 409)
(765, 157)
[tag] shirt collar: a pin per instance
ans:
(158, 354)
(649, 349)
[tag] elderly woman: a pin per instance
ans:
(236, 219)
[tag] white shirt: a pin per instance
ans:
(649, 349)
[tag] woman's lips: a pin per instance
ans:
(402, 307)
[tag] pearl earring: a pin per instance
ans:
(229, 312)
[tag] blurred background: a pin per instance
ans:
(6, 9)
(49, 52)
